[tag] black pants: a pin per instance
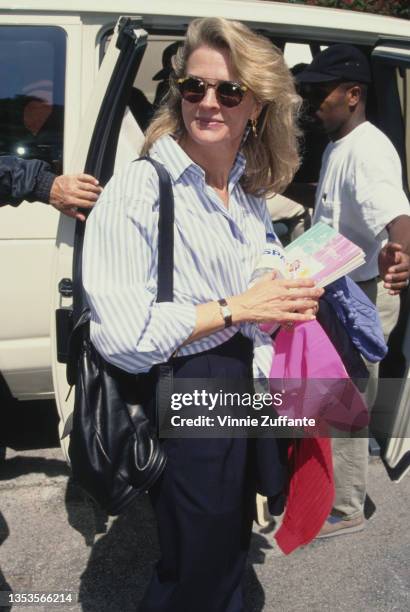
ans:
(204, 503)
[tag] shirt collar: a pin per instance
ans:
(168, 151)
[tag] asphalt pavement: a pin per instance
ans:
(54, 540)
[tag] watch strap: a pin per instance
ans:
(225, 312)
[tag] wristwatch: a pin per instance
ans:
(225, 312)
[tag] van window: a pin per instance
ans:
(297, 53)
(403, 84)
(32, 69)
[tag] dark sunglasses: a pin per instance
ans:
(193, 90)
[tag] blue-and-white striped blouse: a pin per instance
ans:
(215, 251)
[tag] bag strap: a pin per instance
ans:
(165, 287)
(165, 290)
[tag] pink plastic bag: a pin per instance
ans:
(316, 385)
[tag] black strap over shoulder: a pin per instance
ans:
(165, 290)
(165, 287)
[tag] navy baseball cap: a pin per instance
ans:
(337, 63)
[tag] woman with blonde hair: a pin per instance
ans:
(226, 134)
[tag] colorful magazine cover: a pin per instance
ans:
(323, 254)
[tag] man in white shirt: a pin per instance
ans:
(360, 194)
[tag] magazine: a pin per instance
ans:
(323, 254)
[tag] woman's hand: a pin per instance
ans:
(276, 300)
(269, 300)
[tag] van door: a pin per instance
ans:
(95, 154)
(391, 67)
(37, 69)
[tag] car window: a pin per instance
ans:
(32, 70)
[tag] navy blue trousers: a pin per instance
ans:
(204, 503)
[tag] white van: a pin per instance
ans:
(52, 51)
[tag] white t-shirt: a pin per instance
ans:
(360, 191)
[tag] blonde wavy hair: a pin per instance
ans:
(272, 157)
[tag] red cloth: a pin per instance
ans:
(303, 354)
(311, 492)
(307, 353)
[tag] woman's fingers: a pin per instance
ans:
(299, 304)
(312, 292)
(286, 282)
(295, 283)
(294, 317)
(280, 300)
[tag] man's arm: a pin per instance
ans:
(33, 180)
(24, 179)
(394, 257)
(399, 231)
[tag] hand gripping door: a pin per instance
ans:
(114, 451)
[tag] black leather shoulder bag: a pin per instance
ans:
(114, 451)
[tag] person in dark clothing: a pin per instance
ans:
(33, 180)
(141, 108)
(163, 75)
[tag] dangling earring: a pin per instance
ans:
(254, 130)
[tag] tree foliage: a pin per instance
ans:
(393, 8)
